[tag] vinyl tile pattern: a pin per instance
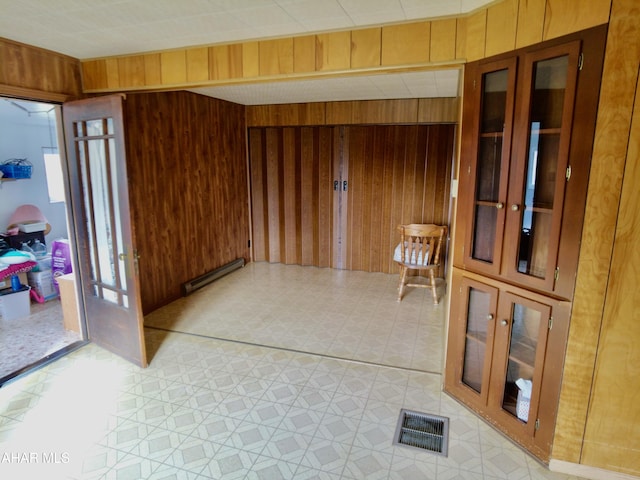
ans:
(214, 409)
(227, 408)
(344, 314)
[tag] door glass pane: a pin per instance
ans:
(525, 330)
(99, 170)
(545, 122)
(489, 161)
(476, 338)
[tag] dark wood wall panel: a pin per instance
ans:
(186, 161)
(291, 175)
(395, 174)
(31, 72)
(422, 110)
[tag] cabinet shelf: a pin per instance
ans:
(479, 337)
(492, 134)
(523, 354)
(540, 208)
(546, 131)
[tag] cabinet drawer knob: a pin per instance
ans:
(515, 207)
(499, 205)
(504, 323)
(490, 317)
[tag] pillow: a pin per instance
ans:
(411, 256)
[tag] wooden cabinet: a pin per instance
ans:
(527, 134)
(523, 164)
(507, 337)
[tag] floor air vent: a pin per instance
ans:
(426, 432)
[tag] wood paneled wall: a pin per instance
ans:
(500, 27)
(292, 199)
(412, 110)
(186, 159)
(34, 73)
(395, 174)
(598, 412)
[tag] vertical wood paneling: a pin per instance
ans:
(276, 57)
(501, 27)
(152, 70)
(566, 16)
(497, 28)
(333, 51)
(94, 73)
(291, 180)
(132, 69)
(197, 64)
(250, 59)
(113, 73)
(286, 114)
(304, 54)
(397, 174)
(384, 111)
(406, 43)
(326, 196)
(438, 110)
(186, 164)
(366, 47)
(423, 110)
(461, 38)
(610, 151)
(476, 35)
(225, 62)
(173, 67)
(339, 113)
(40, 70)
(310, 158)
(443, 40)
(617, 370)
(294, 199)
(259, 213)
(530, 22)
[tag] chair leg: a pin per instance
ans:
(434, 290)
(403, 279)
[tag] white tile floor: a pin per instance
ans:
(343, 314)
(210, 408)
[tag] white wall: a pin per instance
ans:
(23, 135)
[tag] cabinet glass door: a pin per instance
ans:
(490, 165)
(537, 197)
(480, 311)
(523, 327)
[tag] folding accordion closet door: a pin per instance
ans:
(332, 196)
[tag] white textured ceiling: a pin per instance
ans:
(96, 28)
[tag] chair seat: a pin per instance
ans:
(420, 260)
(419, 249)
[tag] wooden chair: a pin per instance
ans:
(422, 249)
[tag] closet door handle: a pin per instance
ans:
(336, 185)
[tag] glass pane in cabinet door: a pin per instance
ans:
(545, 124)
(489, 163)
(478, 311)
(521, 360)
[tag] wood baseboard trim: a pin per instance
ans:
(586, 471)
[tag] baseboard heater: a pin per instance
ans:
(199, 282)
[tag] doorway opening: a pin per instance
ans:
(37, 327)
